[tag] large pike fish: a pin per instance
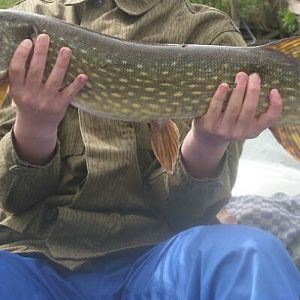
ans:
(157, 83)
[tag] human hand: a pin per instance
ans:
(239, 120)
(41, 105)
(207, 141)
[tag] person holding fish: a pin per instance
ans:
(97, 208)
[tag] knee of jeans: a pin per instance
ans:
(228, 239)
(258, 240)
(237, 236)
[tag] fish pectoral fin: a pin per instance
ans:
(3, 90)
(289, 46)
(165, 143)
(289, 138)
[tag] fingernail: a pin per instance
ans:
(255, 76)
(83, 78)
(43, 37)
(224, 87)
(240, 77)
(65, 52)
(27, 43)
(275, 92)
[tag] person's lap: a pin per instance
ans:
(215, 262)
(210, 262)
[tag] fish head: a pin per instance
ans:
(13, 30)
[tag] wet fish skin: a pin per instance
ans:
(143, 82)
(155, 83)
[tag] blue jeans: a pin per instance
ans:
(222, 262)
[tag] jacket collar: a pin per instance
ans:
(132, 7)
(74, 2)
(136, 7)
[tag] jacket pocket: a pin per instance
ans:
(72, 149)
(18, 222)
(69, 135)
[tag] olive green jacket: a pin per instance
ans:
(104, 192)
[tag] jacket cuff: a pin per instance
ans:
(24, 184)
(196, 201)
(21, 167)
(182, 178)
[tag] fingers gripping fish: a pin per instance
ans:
(158, 83)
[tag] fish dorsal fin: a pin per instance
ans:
(289, 138)
(289, 46)
(165, 143)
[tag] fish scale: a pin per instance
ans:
(141, 79)
(140, 82)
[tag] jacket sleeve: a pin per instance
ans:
(22, 184)
(186, 201)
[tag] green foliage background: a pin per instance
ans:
(262, 16)
(7, 3)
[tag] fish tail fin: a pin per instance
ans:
(288, 46)
(165, 143)
(3, 91)
(289, 138)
